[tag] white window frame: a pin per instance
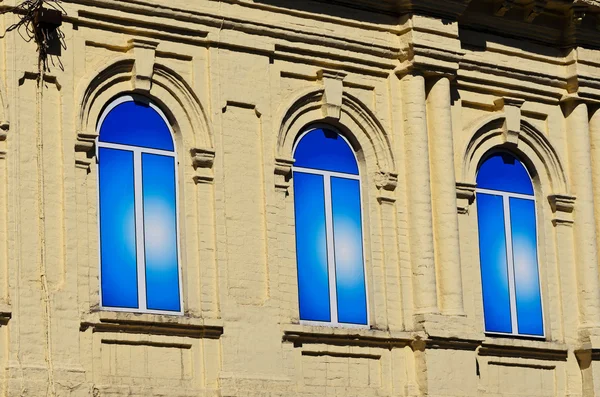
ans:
(506, 196)
(139, 210)
(331, 272)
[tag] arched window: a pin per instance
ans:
(512, 300)
(329, 238)
(139, 258)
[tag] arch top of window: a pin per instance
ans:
(327, 150)
(135, 121)
(504, 172)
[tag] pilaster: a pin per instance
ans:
(586, 250)
(443, 188)
(418, 194)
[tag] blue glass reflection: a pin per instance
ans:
(349, 261)
(136, 124)
(504, 172)
(117, 229)
(311, 247)
(160, 232)
(527, 282)
(325, 150)
(494, 266)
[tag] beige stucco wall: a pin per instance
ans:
(420, 100)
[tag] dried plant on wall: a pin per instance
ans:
(40, 20)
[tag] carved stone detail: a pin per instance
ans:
(283, 173)
(562, 206)
(503, 7)
(536, 9)
(144, 52)
(85, 150)
(465, 196)
(333, 94)
(386, 182)
(512, 125)
(203, 161)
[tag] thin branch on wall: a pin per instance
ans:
(40, 21)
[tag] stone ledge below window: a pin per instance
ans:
(153, 324)
(300, 334)
(524, 348)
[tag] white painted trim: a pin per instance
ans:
(331, 271)
(327, 175)
(506, 194)
(334, 324)
(138, 197)
(136, 149)
(510, 265)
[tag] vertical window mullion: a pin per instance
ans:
(139, 229)
(330, 250)
(511, 265)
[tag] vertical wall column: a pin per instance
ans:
(594, 120)
(586, 250)
(418, 194)
(443, 187)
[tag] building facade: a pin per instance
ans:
(302, 198)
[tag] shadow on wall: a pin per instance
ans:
(372, 11)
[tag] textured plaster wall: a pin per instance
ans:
(420, 101)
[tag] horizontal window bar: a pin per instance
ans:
(505, 194)
(326, 173)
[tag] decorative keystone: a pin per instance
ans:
(144, 52)
(333, 82)
(512, 125)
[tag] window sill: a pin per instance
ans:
(152, 324)
(523, 348)
(300, 334)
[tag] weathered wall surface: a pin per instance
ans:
(421, 98)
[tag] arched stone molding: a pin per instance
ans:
(531, 145)
(554, 209)
(195, 155)
(356, 121)
(163, 86)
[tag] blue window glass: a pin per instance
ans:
(325, 150)
(349, 261)
(160, 232)
(512, 299)
(138, 210)
(311, 247)
(494, 265)
(527, 280)
(136, 123)
(329, 240)
(504, 172)
(117, 229)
